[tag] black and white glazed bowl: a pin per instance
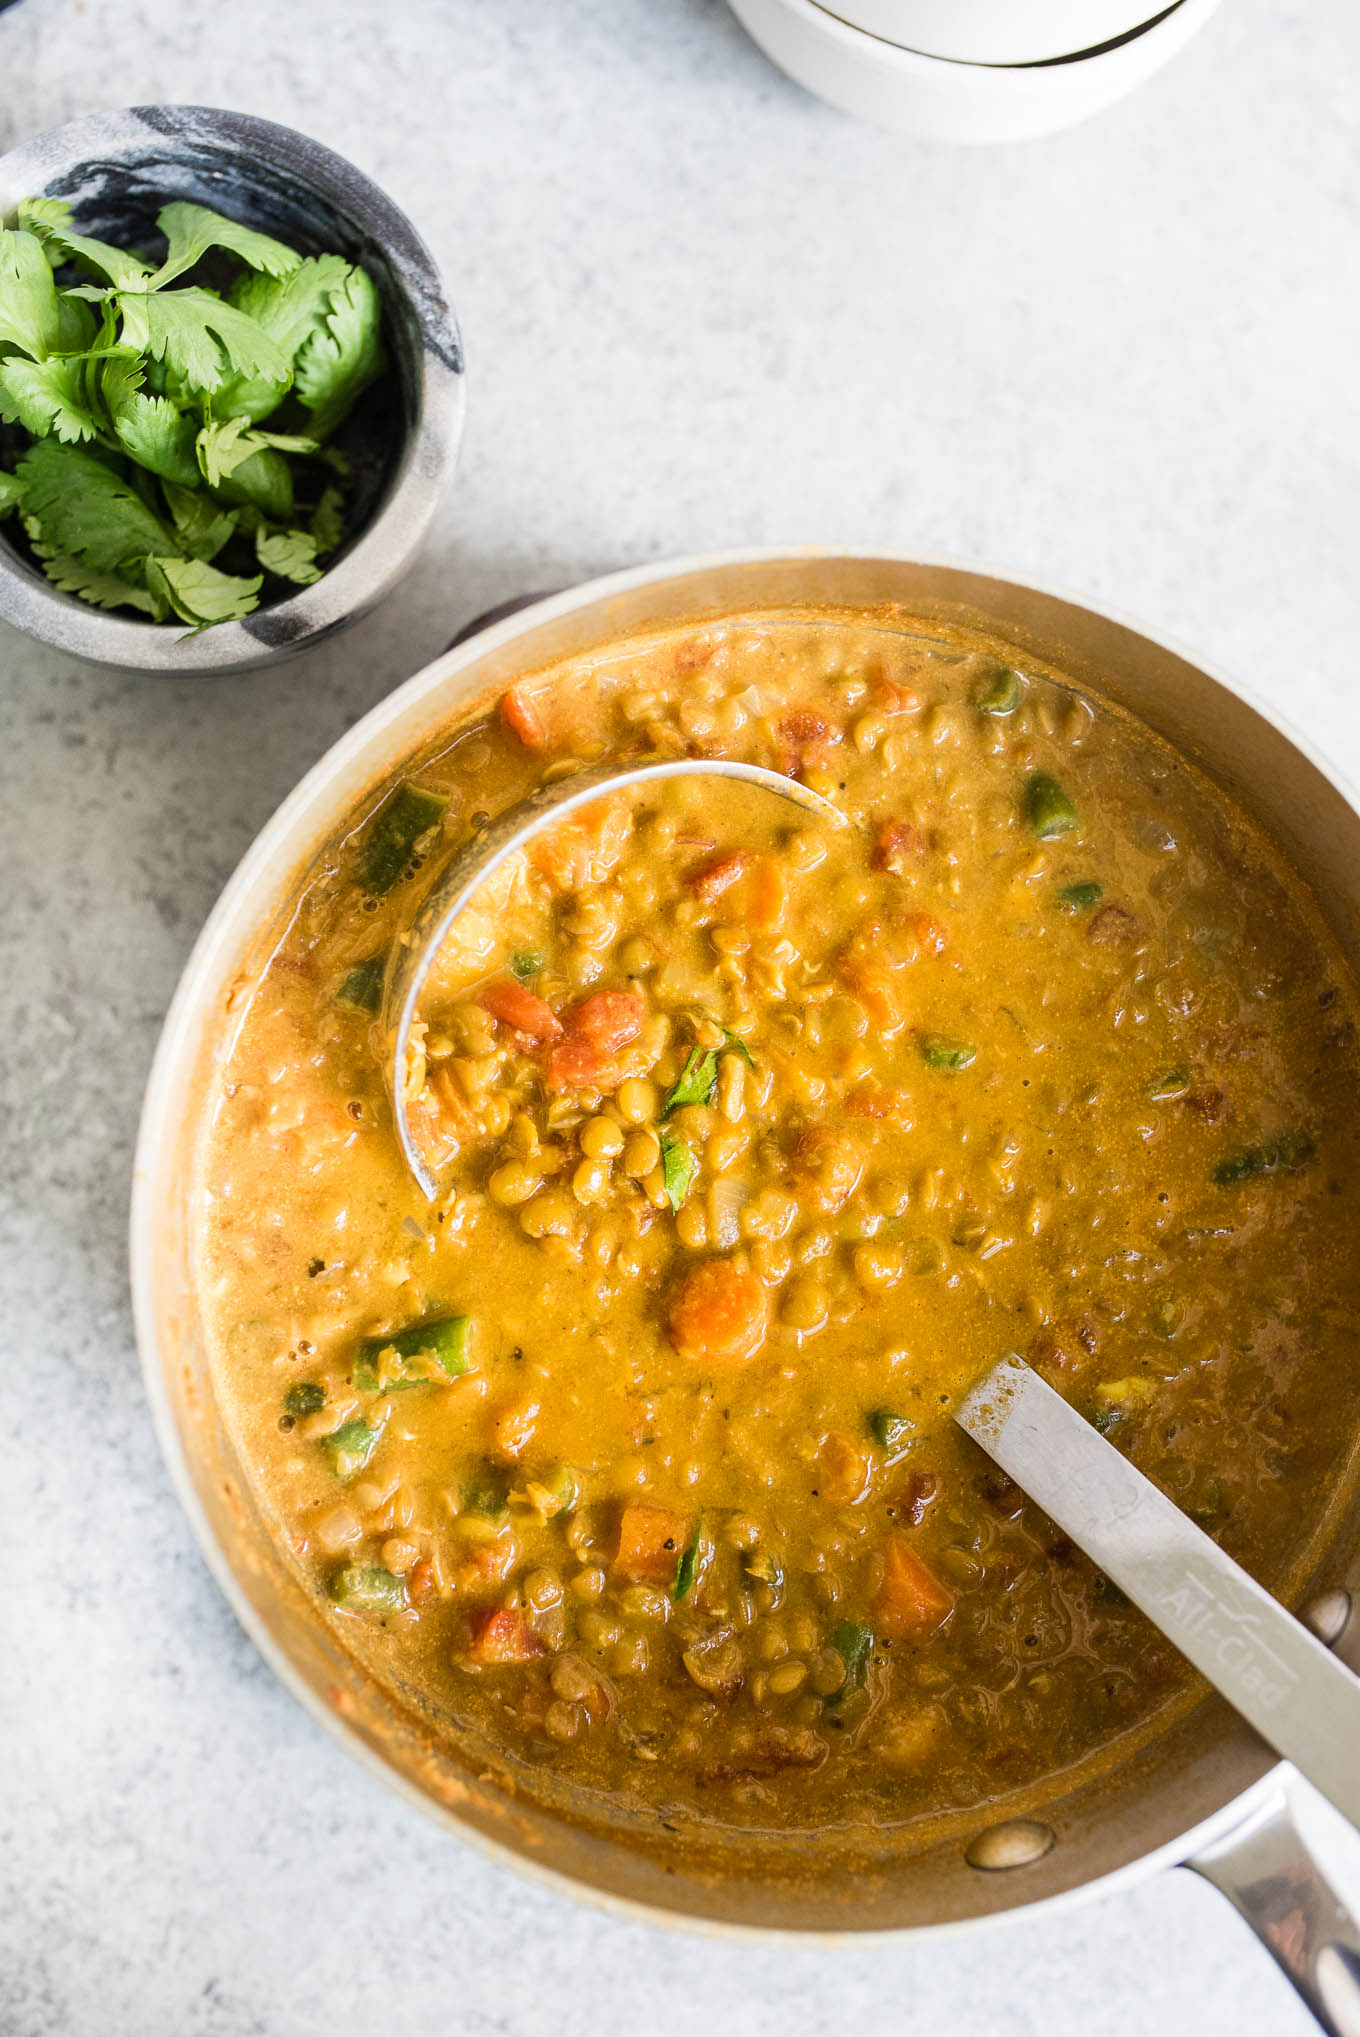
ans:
(117, 170)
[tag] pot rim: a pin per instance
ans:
(156, 1125)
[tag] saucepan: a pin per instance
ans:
(1206, 1794)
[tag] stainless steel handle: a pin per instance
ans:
(1271, 1879)
(1266, 1663)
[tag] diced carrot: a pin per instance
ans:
(609, 1019)
(892, 697)
(573, 1063)
(911, 1604)
(523, 719)
(842, 1469)
(584, 849)
(502, 1636)
(710, 880)
(899, 846)
(651, 1542)
(721, 1311)
(877, 993)
(515, 1006)
(929, 936)
(765, 893)
(805, 725)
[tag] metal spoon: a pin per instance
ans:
(470, 867)
(1264, 1661)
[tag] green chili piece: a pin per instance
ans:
(687, 1569)
(305, 1398)
(1285, 1155)
(698, 1080)
(440, 1345)
(363, 985)
(888, 1428)
(482, 1495)
(364, 1588)
(938, 1052)
(1049, 810)
(678, 1168)
(1001, 691)
(562, 1488)
(526, 964)
(350, 1448)
(1174, 1083)
(854, 1643)
(1080, 897)
(411, 812)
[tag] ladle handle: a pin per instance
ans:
(1281, 1679)
(1268, 1875)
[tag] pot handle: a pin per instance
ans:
(497, 614)
(1268, 1875)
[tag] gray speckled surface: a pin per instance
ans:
(699, 309)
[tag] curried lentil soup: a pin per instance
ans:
(631, 1456)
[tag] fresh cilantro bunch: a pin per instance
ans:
(174, 427)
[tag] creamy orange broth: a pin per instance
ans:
(631, 1455)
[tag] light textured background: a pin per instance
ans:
(700, 309)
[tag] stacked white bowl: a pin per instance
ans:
(971, 70)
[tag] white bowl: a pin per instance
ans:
(938, 100)
(998, 31)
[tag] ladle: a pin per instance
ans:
(470, 867)
(1280, 1678)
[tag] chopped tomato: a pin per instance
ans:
(609, 1019)
(911, 1604)
(892, 697)
(515, 1006)
(710, 880)
(651, 1542)
(523, 719)
(899, 845)
(721, 1311)
(929, 936)
(422, 1586)
(487, 1566)
(502, 1636)
(577, 1064)
(805, 725)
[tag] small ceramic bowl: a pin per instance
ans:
(999, 31)
(942, 100)
(117, 170)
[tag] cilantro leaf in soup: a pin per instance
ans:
(854, 1643)
(698, 1080)
(678, 1169)
(739, 1046)
(1287, 1154)
(687, 1569)
(526, 964)
(1080, 897)
(306, 1398)
(888, 1428)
